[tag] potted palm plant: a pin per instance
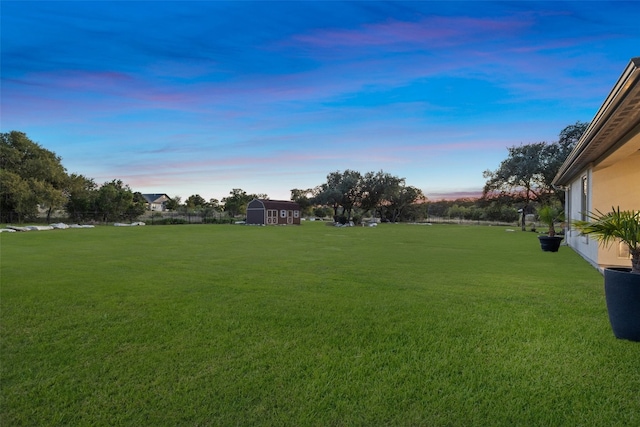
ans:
(549, 215)
(621, 285)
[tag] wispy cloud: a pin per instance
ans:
(428, 32)
(214, 95)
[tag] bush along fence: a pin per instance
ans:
(148, 217)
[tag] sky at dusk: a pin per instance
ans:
(202, 97)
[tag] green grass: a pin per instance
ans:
(399, 325)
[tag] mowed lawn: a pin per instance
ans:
(224, 325)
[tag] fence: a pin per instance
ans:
(148, 217)
(202, 217)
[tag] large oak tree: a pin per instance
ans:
(527, 172)
(30, 176)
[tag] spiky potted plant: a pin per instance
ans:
(549, 215)
(621, 285)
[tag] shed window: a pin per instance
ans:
(283, 213)
(296, 214)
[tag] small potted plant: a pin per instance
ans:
(549, 215)
(621, 285)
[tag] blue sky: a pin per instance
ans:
(202, 97)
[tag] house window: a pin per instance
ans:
(584, 191)
(296, 214)
(623, 251)
(283, 213)
(583, 199)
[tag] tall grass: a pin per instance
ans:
(306, 326)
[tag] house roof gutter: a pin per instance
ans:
(616, 118)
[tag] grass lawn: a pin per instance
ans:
(398, 325)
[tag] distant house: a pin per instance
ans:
(273, 212)
(603, 170)
(156, 202)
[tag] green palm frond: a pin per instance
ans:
(612, 226)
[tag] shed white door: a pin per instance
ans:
(272, 216)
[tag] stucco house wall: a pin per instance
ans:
(578, 200)
(617, 186)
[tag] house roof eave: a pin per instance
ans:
(617, 118)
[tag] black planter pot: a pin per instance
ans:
(622, 291)
(550, 244)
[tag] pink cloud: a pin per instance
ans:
(81, 86)
(283, 163)
(431, 31)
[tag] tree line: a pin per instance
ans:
(233, 205)
(347, 193)
(32, 179)
(521, 183)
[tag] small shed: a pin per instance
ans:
(273, 212)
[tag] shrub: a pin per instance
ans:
(169, 221)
